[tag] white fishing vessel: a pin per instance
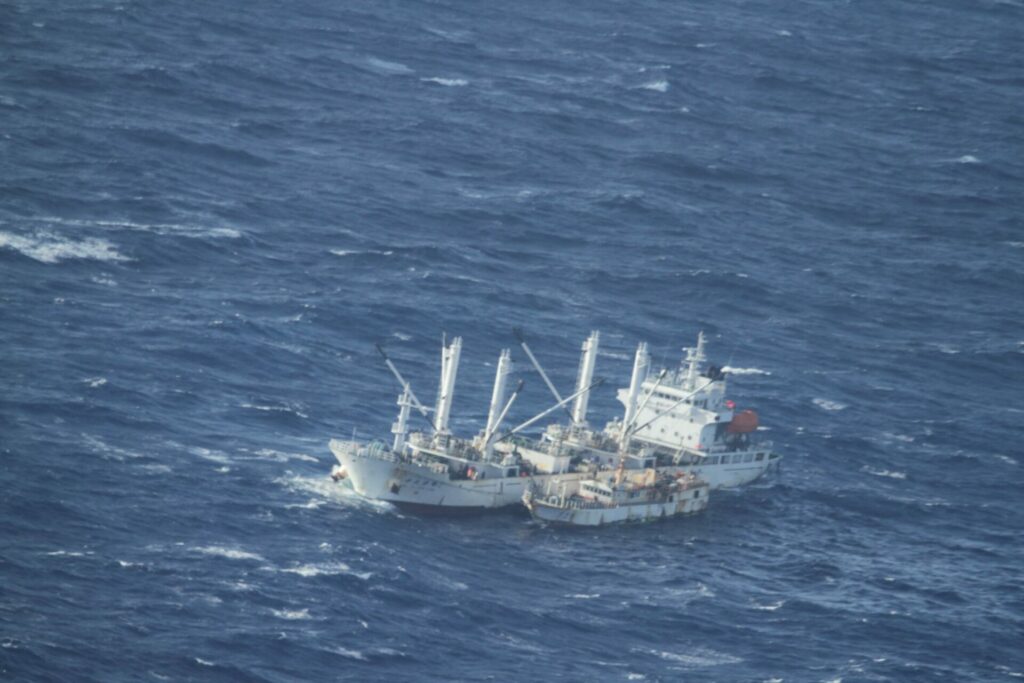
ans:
(676, 422)
(643, 497)
(437, 472)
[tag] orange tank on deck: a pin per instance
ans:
(743, 423)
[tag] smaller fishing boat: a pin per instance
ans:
(643, 497)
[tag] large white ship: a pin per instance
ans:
(676, 421)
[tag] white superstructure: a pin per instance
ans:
(682, 417)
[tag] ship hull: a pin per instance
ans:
(419, 488)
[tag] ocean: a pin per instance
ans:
(211, 212)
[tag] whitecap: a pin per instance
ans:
(635, 677)
(207, 454)
(282, 456)
(94, 382)
(69, 553)
(892, 474)
(583, 596)
(47, 248)
(291, 614)
(279, 409)
(326, 569)
(204, 662)
(351, 654)
(387, 67)
(769, 608)
(699, 658)
(660, 85)
(968, 159)
(230, 553)
(311, 504)
(97, 445)
(1007, 459)
(356, 252)
(334, 492)
(892, 436)
(401, 336)
(448, 82)
(831, 406)
(172, 229)
(745, 371)
(783, 32)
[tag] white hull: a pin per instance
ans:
(690, 502)
(421, 488)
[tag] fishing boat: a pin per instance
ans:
(643, 497)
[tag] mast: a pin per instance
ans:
(498, 395)
(586, 375)
(449, 368)
(401, 427)
(640, 365)
(694, 358)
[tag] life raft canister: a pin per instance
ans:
(743, 423)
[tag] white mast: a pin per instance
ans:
(401, 428)
(586, 374)
(449, 368)
(498, 395)
(694, 357)
(640, 365)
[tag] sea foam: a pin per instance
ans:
(48, 248)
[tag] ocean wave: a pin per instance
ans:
(745, 371)
(282, 456)
(211, 455)
(333, 492)
(831, 406)
(275, 409)
(701, 657)
(660, 85)
(291, 614)
(389, 68)
(891, 474)
(357, 252)
(108, 452)
(70, 553)
(229, 553)
(351, 654)
(48, 248)
(326, 569)
(163, 229)
(449, 82)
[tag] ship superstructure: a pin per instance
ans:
(682, 418)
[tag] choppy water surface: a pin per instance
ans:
(209, 214)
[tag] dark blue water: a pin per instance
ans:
(209, 214)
